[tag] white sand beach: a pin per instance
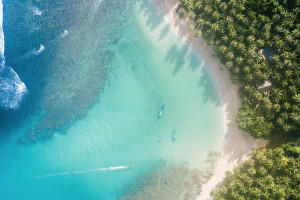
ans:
(237, 144)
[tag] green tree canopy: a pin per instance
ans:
(274, 174)
(258, 40)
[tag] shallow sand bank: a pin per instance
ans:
(237, 144)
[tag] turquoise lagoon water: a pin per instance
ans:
(104, 112)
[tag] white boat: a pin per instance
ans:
(161, 111)
(174, 135)
(121, 167)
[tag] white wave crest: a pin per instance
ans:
(12, 89)
(1, 32)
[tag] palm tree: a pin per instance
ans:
(240, 17)
(198, 33)
(251, 39)
(278, 95)
(296, 98)
(280, 121)
(246, 69)
(288, 73)
(261, 42)
(229, 20)
(223, 6)
(229, 64)
(242, 47)
(207, 9)
(230, 55)
(276, 107)
(200, 21)
(276, 17)
(252, 52)
(215, 27)
(225, 38)
(289, 38)
(239, 60)
(249, 77)
(236, 70)
(286, 105)
(223, 49)
(232, 31)
(216, 15)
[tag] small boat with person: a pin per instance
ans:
(174, 135)
(161, 111)
(121, 167)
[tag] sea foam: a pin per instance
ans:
(12, 89)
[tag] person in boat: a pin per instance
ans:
(161, 111)
(174, 135)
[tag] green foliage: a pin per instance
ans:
(257, 125)
(181, 15)
(273, 174)
(238, 30)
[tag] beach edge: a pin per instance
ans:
(237, 145)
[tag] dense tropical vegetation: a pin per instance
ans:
(258, 41)
(274, 174)
(238, 30)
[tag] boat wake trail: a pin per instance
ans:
(34, 9)
(12, 89)
(86, 171)
(33, 52)
(60, 36)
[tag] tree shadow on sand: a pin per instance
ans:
(164, 31)
(209, 90)
(154, 16)
(177, 56)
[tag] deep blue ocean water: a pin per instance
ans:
(81, 85)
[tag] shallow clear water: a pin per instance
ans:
(103, 85)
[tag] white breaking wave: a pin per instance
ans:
(1, 31)
(12, 89)
(87, 171)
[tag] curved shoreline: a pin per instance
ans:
(237, 144)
